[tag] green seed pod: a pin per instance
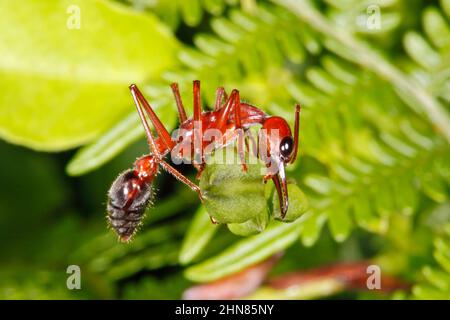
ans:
(298, 204)
(252, 226)
(231, 195)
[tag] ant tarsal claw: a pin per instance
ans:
(214, 221)
(267, 177)
(200, 171)
(201, 196)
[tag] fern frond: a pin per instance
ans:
(191, 12)
(356, 50)
(376, 157)
(368, 144)
(429, 51)
(366, 158)
(436, 283)
(245, 45)
(359, 16)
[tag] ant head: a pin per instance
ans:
(278, 139)
(128, 198)
(281, 149)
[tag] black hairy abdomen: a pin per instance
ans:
(125, 215)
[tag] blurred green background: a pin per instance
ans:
(373, 78)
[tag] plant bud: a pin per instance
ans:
(232, 195)
(252, 226)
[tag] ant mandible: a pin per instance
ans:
(131, 192)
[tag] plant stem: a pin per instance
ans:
(368, 58)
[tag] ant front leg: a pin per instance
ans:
(240, 132)
(233, 104)
(198, 130)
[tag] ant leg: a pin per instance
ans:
(267, 176)
(220, 93)
(296, 132)
(233, 104)
(198, 131)
(225, 96)
(162, 132)
(240, 131)
(148, 132)
(200, 169)
(180, 177)
(225, 111)
(197, 103)
(176, 93)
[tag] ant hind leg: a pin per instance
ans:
(180, 177)
(141, 105)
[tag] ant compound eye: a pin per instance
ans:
(286, 146)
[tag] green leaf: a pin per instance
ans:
(215, 7)
(192, 12)
(433, 186)
(438, 278)
(109, 145)
(322, 80)
(63, 86)
(312, 227)
(420, 51)
(425, 292)
(339, 70)
(445, 4)
(200, 232)
(442, 253)
(320, 184)
(436, 27)
(384, 200)
(364, 215)
(340, 222)
(246, 252)
(405, 195)
(115, 140)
